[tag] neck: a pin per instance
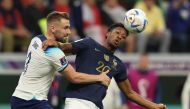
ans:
(109, 47)
(50, 36)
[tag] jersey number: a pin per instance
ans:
(102, 67)
(27, 61)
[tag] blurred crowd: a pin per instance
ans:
(168, 29)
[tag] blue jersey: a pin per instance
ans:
(92, 58)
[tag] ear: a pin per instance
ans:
(52, 27)
(107, 34)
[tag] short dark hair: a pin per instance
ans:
(57, 16)
(115, 25)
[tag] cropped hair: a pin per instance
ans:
(56, 16)
(115, 25)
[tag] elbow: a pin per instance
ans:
(130, 94)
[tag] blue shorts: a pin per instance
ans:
(17, 103)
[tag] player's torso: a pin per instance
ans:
(96, 60)
(36, 61)
(93, 60)
(38, 73)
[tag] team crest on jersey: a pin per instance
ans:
(106, 57)
(35, 45)
(114, 64)
(63, 61)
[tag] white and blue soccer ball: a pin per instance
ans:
(135, 20)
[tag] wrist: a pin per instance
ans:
(98, 78)
(154, 106)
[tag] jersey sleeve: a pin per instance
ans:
(57, 58)
(81, 44)
(122, 75)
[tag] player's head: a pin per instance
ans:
(143, 61)
(116, 35)
(58, 24)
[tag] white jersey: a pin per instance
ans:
(40, 67)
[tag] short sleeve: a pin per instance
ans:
(57, 58)
(81, 44)
(122, 75)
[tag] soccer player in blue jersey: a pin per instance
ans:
(35, 81)
(94, 58)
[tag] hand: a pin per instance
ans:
(104, 79)
(48, 43)
(160, 106)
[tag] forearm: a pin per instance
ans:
(133, 96)
(125, 86)
(65, 47)
(83, 78)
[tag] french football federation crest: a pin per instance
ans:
(114, 62)
(106, 57)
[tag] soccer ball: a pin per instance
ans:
(135, 20)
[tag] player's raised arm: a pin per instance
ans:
(132, 95)
(65, 47)
(69, 48)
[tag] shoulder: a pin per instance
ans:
(36, 42)
(38, 39)
(41, 37)
(84, 43)
(87, 39)
(54, 51)
(119, 63)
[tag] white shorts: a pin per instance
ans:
(74, 103)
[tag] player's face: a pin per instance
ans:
(62, 29)
(117, 37)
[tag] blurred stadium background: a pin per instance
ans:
(166, 37)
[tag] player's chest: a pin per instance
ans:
(103, 61)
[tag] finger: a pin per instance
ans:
(108, 83)
(165, 107)
(108, 80)
(106, 72)
(44, 46)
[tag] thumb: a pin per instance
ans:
(106, 72)
(44, 46)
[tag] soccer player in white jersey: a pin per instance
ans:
(34, 83)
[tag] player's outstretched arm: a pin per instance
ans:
(65, 47)
(82, 78)
(132, 95)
